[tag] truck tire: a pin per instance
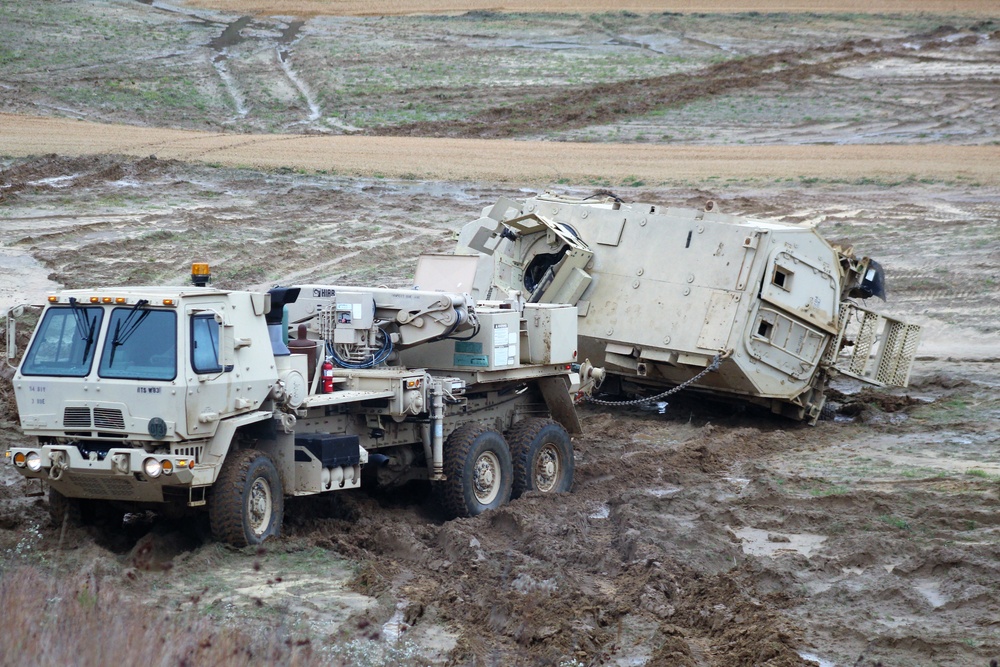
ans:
(81, 512)
(478, 470)
(246, 505)
(542, 455)
(65, 510)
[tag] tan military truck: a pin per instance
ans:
(178, 398)
(759, 310)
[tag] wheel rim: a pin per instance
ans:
(486, 478)
(547, 468)
(259, 506)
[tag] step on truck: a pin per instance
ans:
(192, 398)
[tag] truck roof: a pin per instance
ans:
(141, 292)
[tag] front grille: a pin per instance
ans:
(105, 487)
(108, 418)
(76, 418)
(192, 451)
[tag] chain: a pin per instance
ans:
(714, 366)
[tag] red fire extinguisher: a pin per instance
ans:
(327, 377)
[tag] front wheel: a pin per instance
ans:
(478, 470)
(64, 510)
(542, 454)
(247, 503)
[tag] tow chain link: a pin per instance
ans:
(714, 366)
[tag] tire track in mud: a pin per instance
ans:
(606, 103)
(548, 577)
(232, 35)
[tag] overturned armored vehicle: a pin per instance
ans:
(665, 293)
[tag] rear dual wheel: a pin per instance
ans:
(484, 469)
(542, 455)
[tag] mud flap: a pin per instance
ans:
(555, 391)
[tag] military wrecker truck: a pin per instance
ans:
(757, 310)
(180, 398)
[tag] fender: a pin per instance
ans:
(555, 391)
(219, 444)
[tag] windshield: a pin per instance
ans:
(141, 344)
(65, 342)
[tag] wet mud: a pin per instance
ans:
(705, 535)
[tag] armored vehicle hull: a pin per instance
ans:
(663, 292)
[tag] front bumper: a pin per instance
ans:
(118, 475)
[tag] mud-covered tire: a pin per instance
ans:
(478, 470)
(541, 452)
(246, 505)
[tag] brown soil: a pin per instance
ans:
(394, 7)
(527, 162)
(705, 536)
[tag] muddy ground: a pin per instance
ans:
(701, 536)
(706, 535)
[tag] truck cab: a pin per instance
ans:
(136, 381)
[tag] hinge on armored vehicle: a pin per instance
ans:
(557, 277)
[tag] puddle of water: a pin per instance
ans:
(931, 590)
(739, 482)
(55, 181)
(22, 279)
(812, 657)
(291, 32)
(755, 542)
(393, 628)
(545, 46)
(602, 512)
(909, 69)
(231, 36)
(325, 603)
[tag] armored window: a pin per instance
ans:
(782, 278)
(764, 327)
(205, 344)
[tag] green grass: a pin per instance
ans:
(831, 490)
(895, 522)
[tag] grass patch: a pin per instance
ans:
(830, 490)
(895, 522)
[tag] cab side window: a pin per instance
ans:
(205, 344)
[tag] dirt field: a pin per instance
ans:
(396, 7)
(703, 536)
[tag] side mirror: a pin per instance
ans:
(12, 315)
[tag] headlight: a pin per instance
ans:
(19, 459)
(168, 467)
(152, 468)
(33, 461)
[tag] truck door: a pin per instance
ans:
(209, 369)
